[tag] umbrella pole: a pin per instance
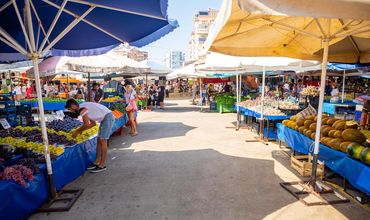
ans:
(262, 102)
(88, 87)
(52, 189)
(319, 113)
(237, 103)
(344, 83)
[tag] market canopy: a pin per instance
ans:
(293, 28)
(105, 63)
(156, 68)
(79, 28)
(224, 65)
(188, 71)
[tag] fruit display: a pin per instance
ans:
(111, 99)
(30, 163)
(120, 106)
(49, 99)
(67, 124)
(341, 135)
(117, 114)
(310, 91)
(17, 173)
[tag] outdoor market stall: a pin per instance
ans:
(20, 201)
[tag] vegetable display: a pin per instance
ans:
(310, 91)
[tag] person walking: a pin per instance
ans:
(161, 94)
(131, 109)
(91, 113)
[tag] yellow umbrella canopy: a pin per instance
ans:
(327, 30)
(65, 79)
(293, 28)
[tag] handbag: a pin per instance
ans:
(128, 106)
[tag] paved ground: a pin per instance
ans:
(186, 165)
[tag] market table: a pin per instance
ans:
(18, 202)
(250, 113)
(331, 108)
(357, 173)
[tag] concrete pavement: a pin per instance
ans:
(186, 165)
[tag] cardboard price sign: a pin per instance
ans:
(4, 123)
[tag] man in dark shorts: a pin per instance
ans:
(365, 116)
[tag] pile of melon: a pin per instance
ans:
(341, 135)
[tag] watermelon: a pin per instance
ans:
(365, 156)
(354, 150)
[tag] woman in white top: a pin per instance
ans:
(18, 92)
(91, 113)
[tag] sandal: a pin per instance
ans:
(134, 134)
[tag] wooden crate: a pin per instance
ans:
(303, 164)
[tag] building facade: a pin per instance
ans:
(175, 59)
(202, 23)
(131, 52)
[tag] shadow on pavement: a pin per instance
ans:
(153, 131)
(195, 184)
(351, 210)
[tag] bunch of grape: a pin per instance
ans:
(52, 137)
(39, 158)
(17, 173)
(66, 125)
(30, 163)
(12, 132)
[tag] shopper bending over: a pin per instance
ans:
(91, 113)
(130, 97)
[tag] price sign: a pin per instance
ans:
(4, 123)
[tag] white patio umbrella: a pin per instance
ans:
(238, 66)
(188, 71)
(326, 30)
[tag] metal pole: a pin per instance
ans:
(344, 83)
(237, 102)
(53, 193)
(88, 87)
(262, 100)
(319, 112)
(200, 94)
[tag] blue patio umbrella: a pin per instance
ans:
(30, 29)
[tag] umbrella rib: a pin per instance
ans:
(5, 5)
(118, 9)
(351, 32)
(304, 28)
(46, 38)
(22, 25)
(87, 22)
(68, 28)
(351, 39)
(17, 46)
(320, 27)
(11, 45)
(39, 21)
(292, 28)
(343, 27)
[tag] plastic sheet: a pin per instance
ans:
(357, 173)
(249, 112)
(119, 123)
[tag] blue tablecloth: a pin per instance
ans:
(357, 173)
(18, 203)
(119, 123)
(248, 112)
(330, 107)
(48, 106)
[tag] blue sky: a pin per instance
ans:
(183, 11)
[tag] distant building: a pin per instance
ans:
(131, 52)
(202, 23)
(175, 59)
